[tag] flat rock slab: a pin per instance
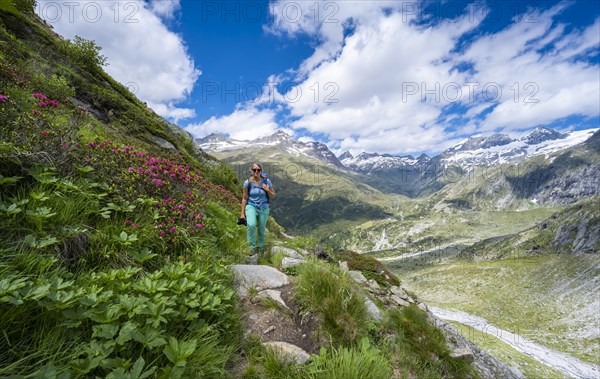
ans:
(289, 262)
(287, 252)
(257, 277)
(358, 277)
(399, 291)
(289, 351)
(399, 301)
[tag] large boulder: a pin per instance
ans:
(257, 277)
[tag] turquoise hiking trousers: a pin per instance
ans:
(256, 217)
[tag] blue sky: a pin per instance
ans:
(377, 76)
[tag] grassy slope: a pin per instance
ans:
(96, 259)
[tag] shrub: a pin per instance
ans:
(55, 87)
(84, 53)
(370, 267)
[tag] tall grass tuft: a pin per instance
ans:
(362, 361)
(420, 348)
(327, 292)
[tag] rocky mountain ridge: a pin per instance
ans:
(315, 150)
(473, 151)
(408, 175)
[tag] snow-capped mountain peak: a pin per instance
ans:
(474, 143)
(345, 155)
(279, 139)
(474, 151)
(540, 135)
(507, 150)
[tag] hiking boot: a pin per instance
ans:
(252, 259)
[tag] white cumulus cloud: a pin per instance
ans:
(378, 80)
(243, 124)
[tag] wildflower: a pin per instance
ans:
(38, 95)
(91, 144)
(135, 226)
(3, 98)
(53, 103)
(130, 169)
(127, 222)
(173, 229)
(200, 226)
(162, 234)
(44, 133)
(42, 104)
(65, 145)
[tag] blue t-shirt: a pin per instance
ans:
(257, 196)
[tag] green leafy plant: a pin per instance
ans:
(85, 53)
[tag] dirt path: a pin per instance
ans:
(563, 362)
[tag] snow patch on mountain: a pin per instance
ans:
(474, 151)
(516, 150)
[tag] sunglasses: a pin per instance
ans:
(257, 169)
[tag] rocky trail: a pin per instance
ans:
(270, 312)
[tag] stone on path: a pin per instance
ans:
(257, 277)
(288, 351)
(286, 251)
(273, 295)
(289, 262)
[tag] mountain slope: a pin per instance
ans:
(425, 175)
(553, 179)
(313, 194)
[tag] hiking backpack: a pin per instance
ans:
(264, 180)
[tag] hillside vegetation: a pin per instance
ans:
(114, 250)
(117, 236)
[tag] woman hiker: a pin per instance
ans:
(258, 191)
